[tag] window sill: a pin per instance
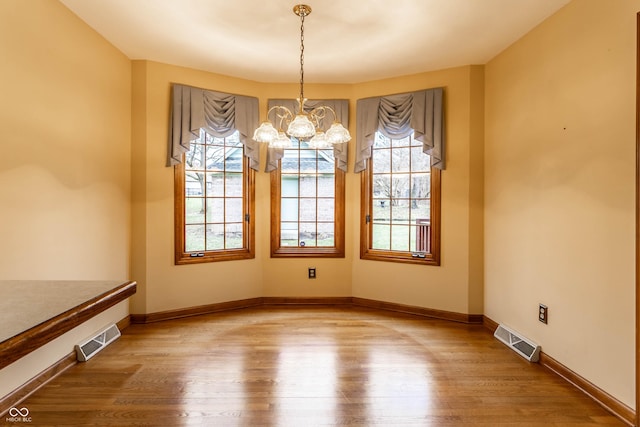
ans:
(403, 257)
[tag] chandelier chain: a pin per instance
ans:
(302, 15)
(305, 126)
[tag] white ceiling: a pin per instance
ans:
(346, 41)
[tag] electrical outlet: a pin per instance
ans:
(312, 272)
(543, 313)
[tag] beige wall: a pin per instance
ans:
(65, 173)
(456, 285)
(65, 137)
(163, 285)
(559, 193)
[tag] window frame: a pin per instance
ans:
(182, 257)
(336, 251)
(366, 226)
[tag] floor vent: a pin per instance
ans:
(89, 348)
(517, 343)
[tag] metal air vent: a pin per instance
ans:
(524, 347)
(90, 347)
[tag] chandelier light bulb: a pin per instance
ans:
(282, 141)
(301, 127)
(265, 133)
(319, 141)
(337, 134)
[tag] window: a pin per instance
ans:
(400, 203)
(214, 202)
(307, 204)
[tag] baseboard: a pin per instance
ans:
(24, 391)
(124, 323)
(306, 300)
(419, 311)
(489, 324)
(337, 301)
(603, 398)
(598, 395)
(196, 311)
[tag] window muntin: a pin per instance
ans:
(307, 204)
(214, 201)
(401, 195)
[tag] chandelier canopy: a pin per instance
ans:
(304, 126)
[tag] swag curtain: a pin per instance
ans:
(341, 107)
(220, 114)
(396, 116)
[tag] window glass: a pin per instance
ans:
(400, 197)
(308, 200)
(214, 201)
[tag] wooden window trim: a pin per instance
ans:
(336, 251)
(248, 250)
(366, 208)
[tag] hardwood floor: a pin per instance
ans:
(310, 366)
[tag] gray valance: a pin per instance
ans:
(220, 114)
(396, 116)
(341, 107)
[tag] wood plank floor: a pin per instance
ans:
(310, 366)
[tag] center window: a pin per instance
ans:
(307, 200)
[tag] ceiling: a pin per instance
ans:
(346, 41)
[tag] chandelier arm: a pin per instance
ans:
(335, 116)
(283, 114)
(315, 118)
(320, 113)
(282, 108)
(316, 115)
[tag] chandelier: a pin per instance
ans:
(304, 126)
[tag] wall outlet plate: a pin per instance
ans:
(312, 272)
(543, 313)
